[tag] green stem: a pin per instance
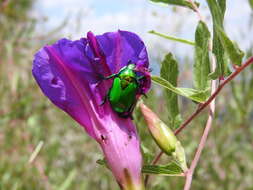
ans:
(172, 38)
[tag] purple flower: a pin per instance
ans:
(69, 74)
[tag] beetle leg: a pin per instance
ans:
(145, 95)
(141, 77)
(128, 115)
(129, 62)
(104, 78)
(131, 116)
(103, 101)
(109, 77)
(150, 70)
(101, 77)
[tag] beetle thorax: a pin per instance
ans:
(127, 76)
(126, 80)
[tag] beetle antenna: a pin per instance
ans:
(103, 101)
(129, 62)
(100, 76)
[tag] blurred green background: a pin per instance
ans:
(67, 158)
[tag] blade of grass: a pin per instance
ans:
(36, 152)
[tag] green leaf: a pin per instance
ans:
(223, 47)
(218, 11)
(251, 3)
(171, 169)
(195, 95)
(183, 3)
(222, 5)
(169, 72)
(172, 38)
(201, 67)
(147, 154)
(234, 52)
(222, 69)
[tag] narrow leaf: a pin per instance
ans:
(222, 5)
(183, 3)
(218, 11)
(172, 38)
(195, 95)
(202, 63)
(234, 52)
(171, 169)
(147, 153)
(222, 69)
(169, 72)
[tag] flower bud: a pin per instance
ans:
(164, 136)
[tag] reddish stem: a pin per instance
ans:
(201, 146)
(196, 9)
(157, 158)
(208, 125)
(205, 104)
(203, 139)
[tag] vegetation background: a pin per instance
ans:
(67, 158)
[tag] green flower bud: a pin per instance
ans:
(164, 136)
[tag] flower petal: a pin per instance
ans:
(122, 152)
(120, 47)
(98, 53)
(62, 71)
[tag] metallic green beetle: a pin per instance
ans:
(122, 94)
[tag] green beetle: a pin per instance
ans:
(122, 94)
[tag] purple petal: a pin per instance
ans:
(122, 152)
(98, 53)
(62, 71)
(120, 47)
